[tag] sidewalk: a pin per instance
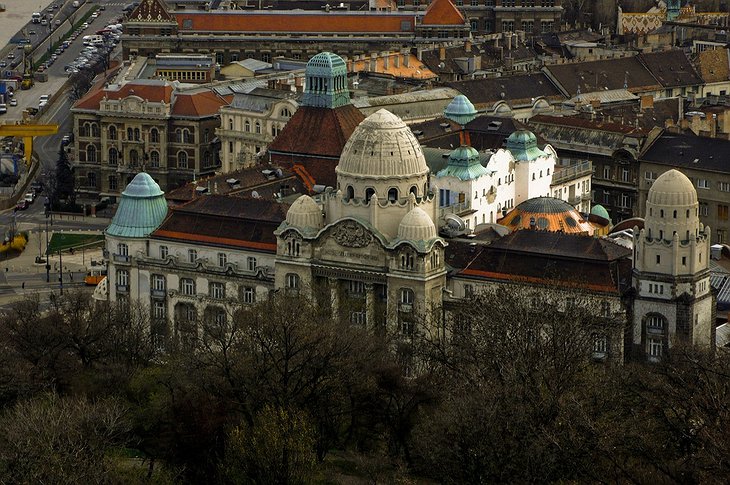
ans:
(25, 263)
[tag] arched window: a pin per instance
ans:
(247, 126)
(414, 190)
(206, 135)
(112, 132)
(130, 134)
(154, 159)
(187, 137)
(154, 136)
(285, 113)
(133, 158)
(675, 214)
(258, 128)
(113, 156)
(178, 135)
(368, 194)
(350, 192)
(95, 132)
(182, 159)
(136, 134)
(90, 153)
(393, 195)
(661, 213)
(230, 123)
(292, 281)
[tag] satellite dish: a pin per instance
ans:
(455, 226)
(255, 195)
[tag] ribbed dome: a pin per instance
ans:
(304, 213)
(523, 146)
(672, 189)
(547, 214)
(141, 210)
(464, 163)
(382, 146)
(326, 63)
(416, 226)
(460, 110)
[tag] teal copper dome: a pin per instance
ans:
(600, 211)
(464, 164)
(141, 210)
(523, 146)
(460, 110)
(326, 82)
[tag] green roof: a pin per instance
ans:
(523, 146)
(464, 164)
(600, 211)
(326, 82)
(141, 210)
(460, 110)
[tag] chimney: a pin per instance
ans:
(467, 45)
(407, 59)
(442, 53)
(419, 53)
(373, 62)
(713, 126)
(385, 61)
(680, 114)
(396, 60)
(509, 41)
(646, 102)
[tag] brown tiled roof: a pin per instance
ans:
(514, 90)
(156, 91)
(202, 103)
(225, 222)
(318, 131)
(592, 76)
(443, 12)
(671, 68)
(714, 65)
(151, 11)
(248, 180)
(545, 258)
(296, 23)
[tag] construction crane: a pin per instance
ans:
(27, 132)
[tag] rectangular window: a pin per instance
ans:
(508, 25)
(704, 209)
(703, 184)
(721, 236)
(222, 259)
(625, 201)
(546, 26)
(625, 175)
(722, 212)
(358, 318)
(650, 175)
(122, 249)
(655, 348)
(123, 278)
(158, 282)
(163, 252)
(723, 186)
(159, 310)
(187, 286)
(217, 290)
(658, 259)
(192, 255)
(292, 281)
(528, 25)
(248, 295)
(600, 345)
(607, 171)
(356, 288)
(468, 291)
(251, 263)
(605, 309)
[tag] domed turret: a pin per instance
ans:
(600, 211)
(141, 210)
(672, 207)
(460, 110)
(523, 146)
(304, 213)
(382, 146)
(326, 82)
(464, 163)
(416, 226)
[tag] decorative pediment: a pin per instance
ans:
(351, 234)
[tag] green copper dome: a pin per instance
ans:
(460, 110)
(523, 146)
(326, 82)
(464, 164)
(600, 211)
(141, 210)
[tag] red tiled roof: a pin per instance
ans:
(302, 22)
(204, 103)
(318, 131)
(149, 91)
(443, 12)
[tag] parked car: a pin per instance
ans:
(30, 197)
(22, 205)
(13, 102)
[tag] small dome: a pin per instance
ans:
(326, 63)
(600, 211)
(141, 210)
(416, 226)
(381, 147)
(523, 146)
(304, 213)
(460, 110)
(547, 214)
(464, 163)
(672, 189)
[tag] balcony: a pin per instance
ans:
(572, 172)
(405, 308)
(459, 209)
(157, 293)
(121, 258)
(123, 289)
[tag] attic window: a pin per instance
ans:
(405, 25)
(187, 24)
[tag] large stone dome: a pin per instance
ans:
(416, 226)
(304, 213)
(141, 210)
(671, 189)
(382, 147)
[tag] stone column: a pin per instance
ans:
(370, 305)
(334, 296)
